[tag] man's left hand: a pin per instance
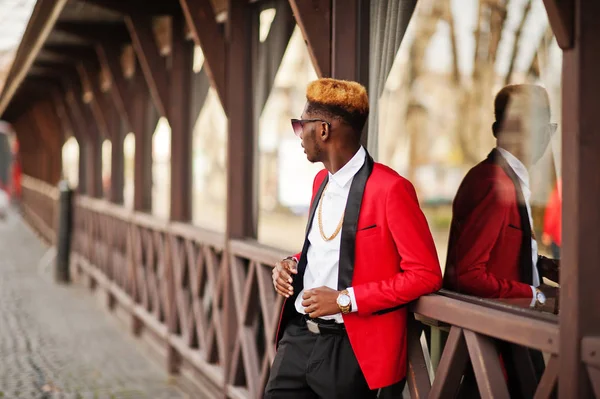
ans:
(319, 302)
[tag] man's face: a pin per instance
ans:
(526, 131)
(310, 137)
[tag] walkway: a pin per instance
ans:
(56, 341)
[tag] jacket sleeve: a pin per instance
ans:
(420, 272)
(476, 238)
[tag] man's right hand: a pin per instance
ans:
(552, 295)
(283, 276)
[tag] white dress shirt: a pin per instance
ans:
(521, 171)
(323, 257)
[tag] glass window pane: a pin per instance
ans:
(435, 128)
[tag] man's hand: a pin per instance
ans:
(282, 277)
(320, 302)
(552, 294)
(549, 268)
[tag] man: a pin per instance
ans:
(367, 253)
(492, 251)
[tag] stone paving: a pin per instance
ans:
(57, 341)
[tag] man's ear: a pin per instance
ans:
(324, 131)
(495, 128)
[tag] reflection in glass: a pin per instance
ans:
(436, 112)
(285, 176)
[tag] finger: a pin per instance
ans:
(285, 275)
(282, 293)
(310, 309)
(307, 302)
(307, 294)
(284, 283)
(284, 288)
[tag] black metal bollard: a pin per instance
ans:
(63, 244)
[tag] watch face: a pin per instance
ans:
(343, 300)
(541, 297)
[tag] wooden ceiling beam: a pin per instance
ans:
(201, 20)
(153, 65)
(561, 14)
(89, 80)
(139, 7)
(95, 32)
(110, 61)
(72, 54)
(314, 20)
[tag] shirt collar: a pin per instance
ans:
(343, 176)
(516, 165)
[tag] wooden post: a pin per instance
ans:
(242, 209)
(117, 157)
(579, 296)
(142, 191)
(179, 119)
(350, 43)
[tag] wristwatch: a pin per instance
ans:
(540, 299)
(344, 302)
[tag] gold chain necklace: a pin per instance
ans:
(320, 215)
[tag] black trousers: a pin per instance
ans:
(309, 365)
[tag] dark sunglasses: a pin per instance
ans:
(298, 125)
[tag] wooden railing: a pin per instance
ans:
(39, 205)
(213, 316)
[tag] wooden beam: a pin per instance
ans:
(44, 15)
(153, 65)
(350, 44)
(179, 119)
(207, 34)
(140, 7)
(452, 366)
(71, 53)
(417, 375)
(561, 14)
(549, 379)
(242, 207)
(271, 52)
(142, 129)
(486, 365)
(579, 294)
(95, 31)
(314, 20)
(109, 59)
(89, 82)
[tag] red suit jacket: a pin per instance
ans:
(489, 252)
(553, 216)
(388, 256)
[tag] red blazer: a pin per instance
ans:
(553, 215)
(388, 256)
(489, 252)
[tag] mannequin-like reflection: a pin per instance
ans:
(493, 252)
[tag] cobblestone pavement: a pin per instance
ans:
(56, 341)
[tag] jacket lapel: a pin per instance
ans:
(348, 239)
(525, 259)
